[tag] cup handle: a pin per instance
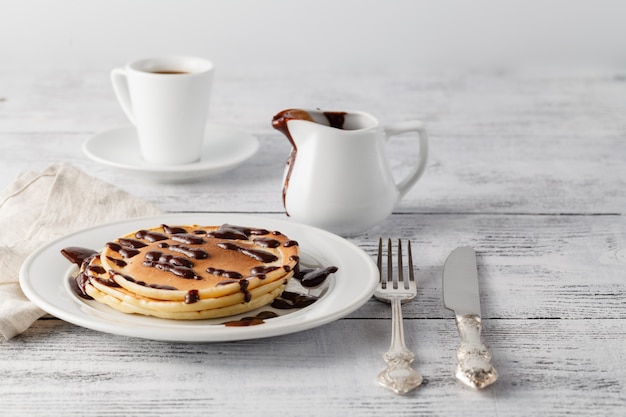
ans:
(119, 79)
(411, 126)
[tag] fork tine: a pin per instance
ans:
(411, 283)
(379, 263)
(411, 272)
(400, 269)
(388, 279)
(390, 276)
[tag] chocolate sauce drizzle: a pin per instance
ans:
(170, 265)
(192, 296)
(311, 278)
(251, 321)
(266, 242)
(182, 267)
(172, 230)
(78, 285)
(96, 269)
(143, 284)
(280, 123)
(231, 232)
(188, 239)
(224, 273)
(156, 256)
(131, 243)
(255, 254)
(195, 253)
(150, 236)
(259, 271)
(117, 262)
(289, 299)
(109, 282)
(78, 256)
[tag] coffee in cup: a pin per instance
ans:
(167, 99)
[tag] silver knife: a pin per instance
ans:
(460, 294)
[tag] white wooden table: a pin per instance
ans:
(527, 166)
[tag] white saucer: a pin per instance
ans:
(224, 149)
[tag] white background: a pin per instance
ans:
(101, 34)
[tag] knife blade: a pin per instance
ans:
(462, 296)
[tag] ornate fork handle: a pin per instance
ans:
(399, 376)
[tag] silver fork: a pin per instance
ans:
(399, 376)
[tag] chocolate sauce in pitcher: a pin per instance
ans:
(279, 122)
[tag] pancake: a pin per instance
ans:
(176, 309)
(191, 272)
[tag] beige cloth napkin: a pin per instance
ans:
(39, 207)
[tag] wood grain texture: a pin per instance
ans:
(542, 363)
(526, 166)
(503, 142)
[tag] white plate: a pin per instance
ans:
(224, 149)
(44, 277)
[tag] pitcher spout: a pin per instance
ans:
(281, 121)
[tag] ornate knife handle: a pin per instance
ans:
(474, 361)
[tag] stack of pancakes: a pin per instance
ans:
(190, 272)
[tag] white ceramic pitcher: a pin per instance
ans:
(338, 175)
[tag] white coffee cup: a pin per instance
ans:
(167, 99)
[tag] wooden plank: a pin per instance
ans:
(461, 178)
(548, 366)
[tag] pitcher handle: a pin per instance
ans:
(411, 126)
(119, 79)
